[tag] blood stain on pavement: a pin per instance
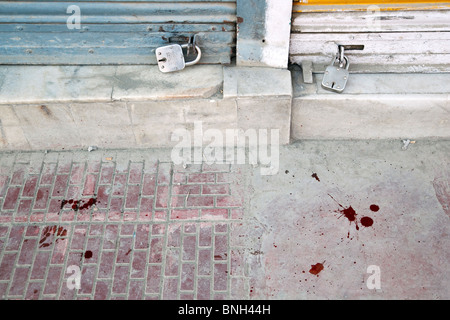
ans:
(348, 212)
(316, 268)
(351, 214)
(79, 204)
(366, 221)
(48, 234)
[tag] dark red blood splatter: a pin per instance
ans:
(80, 204)
(366, 221)
(89, 203)
(63, 202)
(374, 208)
(51, 231)
(88, 254)
(315, 176)
(61, 232)
(349, 213)
(315, 269)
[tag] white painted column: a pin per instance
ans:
(264, 28)
(275, 51)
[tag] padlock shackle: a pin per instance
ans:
(199, 55)
(347, 63)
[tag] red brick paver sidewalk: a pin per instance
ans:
(135, 228)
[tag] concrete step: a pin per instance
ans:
(373, 106)
(71, 107)
(67, 107)
(53, 84)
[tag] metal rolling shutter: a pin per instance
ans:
(114, 32)
(398, 36)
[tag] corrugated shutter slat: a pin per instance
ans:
(113, 32)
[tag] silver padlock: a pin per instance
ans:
(336, 76)
(171, 58)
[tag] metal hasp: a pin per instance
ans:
(171, 58)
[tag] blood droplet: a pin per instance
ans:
(88, 254)
(315, 269)
(366, 221)
(374, 208)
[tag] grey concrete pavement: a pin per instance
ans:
(304, 218)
